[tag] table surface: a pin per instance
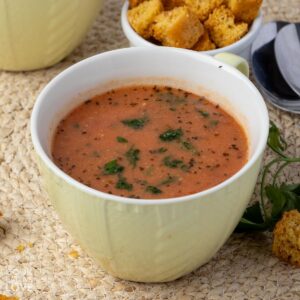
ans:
(35, 260)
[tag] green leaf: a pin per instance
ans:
(185, 168)
(254, 214)
(122, 184)
(275, 140)
(214, 123)
(159, 150)
(252, 219)
(293, 201)
(278, 199)
(295, 188)
(121, 140)
(292, 193)
(188, 166)
(153, 190)
(246, 226)
(136, 123)
(189, 147)
(170, 179)
(203, 113)
(133, 156)
(142, 182)
(112, 167)
(282, 199)
(170, 162)
(171, 135)
(170, 98)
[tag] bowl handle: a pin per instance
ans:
(235, 61)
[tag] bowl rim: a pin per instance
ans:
(242, 44)
(102, 195)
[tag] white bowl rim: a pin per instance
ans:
(242, 44)
(98, 194)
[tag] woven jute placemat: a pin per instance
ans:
(40, 260)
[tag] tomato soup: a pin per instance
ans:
(149, 142)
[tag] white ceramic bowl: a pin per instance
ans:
(147, 240)
(241, 48)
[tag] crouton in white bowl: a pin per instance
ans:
(208, 26)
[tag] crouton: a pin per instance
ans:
(3, 297)
(134, 3)
(245, 10)
(286, 242)
(222, 27)
(170, 4)
(202, 8)
(178, 27)
(204, 43)
(141, 16)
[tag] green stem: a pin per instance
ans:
(277, 151)
(262, 185)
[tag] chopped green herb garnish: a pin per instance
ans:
(170, 179)
(135, 123)
(112, 167)
(159, 150)
(133, 155)
(76, 125)
(153, 190)
(203, 113)
(187, 145)
(172, 163)
(185, 168)
(122, 184)
(170, 98)
(142, 182)
(121, 139)
(176, 163)
(171, 135)
(214, 123)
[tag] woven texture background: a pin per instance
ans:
(35, 260)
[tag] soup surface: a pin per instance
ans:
(149, 142)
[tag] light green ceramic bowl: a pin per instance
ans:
(39, 33)
(147, 240)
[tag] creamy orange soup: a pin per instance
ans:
(149, 142)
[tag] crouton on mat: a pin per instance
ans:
(222, 28)
(3, 297)
(202, 8)
(204, 43)
(286, 238)
(141, 16)
(178, 27)
(245, 10)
